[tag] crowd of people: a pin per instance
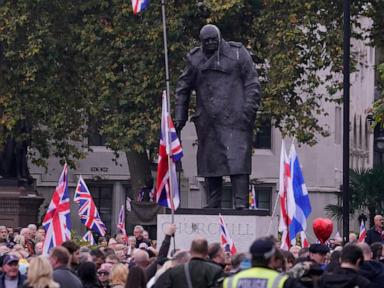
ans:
(135, 262)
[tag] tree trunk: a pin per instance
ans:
(140, 171)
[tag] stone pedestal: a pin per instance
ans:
(19, 204)
(243, 226)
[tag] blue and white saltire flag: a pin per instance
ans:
(139, 5)
(302, 203)
(89, 238)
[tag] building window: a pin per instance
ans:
(94, 136)
(102, 196)
(263, 197)
(263, 137)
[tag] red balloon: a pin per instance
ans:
(323, 228)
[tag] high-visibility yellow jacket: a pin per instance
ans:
(256, 277)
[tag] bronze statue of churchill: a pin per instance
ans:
(227, 88)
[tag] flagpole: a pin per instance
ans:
(273, 214)
(167, 80)
(166, 54)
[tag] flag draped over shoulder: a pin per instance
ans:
(121, 221)
(225, 239)
(284, 182)
(57, 220)
(363, 233)
(139, 5)
(88, 213)
(89, 238)
(167, 188)
(301, 198)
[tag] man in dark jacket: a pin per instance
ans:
(199, 272)
(347, 275)
(372, 270)
(11, 277)
(376, 233)
(59, 259)
(227, 88)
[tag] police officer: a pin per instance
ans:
(261, 275)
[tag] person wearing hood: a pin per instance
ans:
(348, 274)
(370, 269)
(227, 88)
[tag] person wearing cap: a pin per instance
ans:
(11, 277)
(59, 258)
(318, 253)
(224, 77)
(260, 275)
(308, 270)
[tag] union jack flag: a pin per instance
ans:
(57, 220)
(139, 5)
(121, 221)
(226, 240)
(88, 213)
(89, 238)
(167, 189)
(363, 233)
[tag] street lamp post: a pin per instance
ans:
(346, 84)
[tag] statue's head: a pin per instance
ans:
(210, 38)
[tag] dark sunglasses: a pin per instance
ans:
(103, 273)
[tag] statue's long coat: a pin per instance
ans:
(227, 97)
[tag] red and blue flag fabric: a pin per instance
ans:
(363, 233)
(252, 198)
(304, 241)
(225, 239)
(121, 221)
(170, 151)
(284, 183)
(302, 207)
(88, 213)
(89, 238)
(139, 5)
(57, 220)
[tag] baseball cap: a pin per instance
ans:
(318, 248)
(10, 258)
(263, 247)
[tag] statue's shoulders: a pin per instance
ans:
(195, 56)
(235, 44)
(194, 51)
